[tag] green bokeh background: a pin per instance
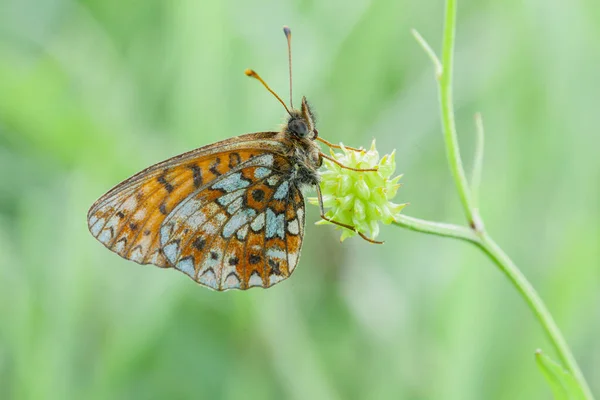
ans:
(93, 91)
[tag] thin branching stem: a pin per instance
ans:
(447, 110)
(436, 228)
(429, 51)
(477, 161)
(470, 201)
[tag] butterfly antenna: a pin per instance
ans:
(251, 73)
(288, 36)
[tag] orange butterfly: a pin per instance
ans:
(230, 215)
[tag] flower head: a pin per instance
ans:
(356, 198)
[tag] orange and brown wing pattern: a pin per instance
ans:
(244, 230)
(128, 218)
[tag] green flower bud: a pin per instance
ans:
(361, 199)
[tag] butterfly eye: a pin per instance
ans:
(298, 127)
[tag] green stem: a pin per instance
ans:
(477, 161)
(477, 234)
(436, 228)
(516, 277)
(448, 124)
(533, 299)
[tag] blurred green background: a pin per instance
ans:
(92, 91)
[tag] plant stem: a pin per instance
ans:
(436, 62)
(477, 234)
(436, 228)
(477, 161)
(448, 123)
(516, 277)
(533, 299)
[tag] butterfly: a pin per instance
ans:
(230, 215)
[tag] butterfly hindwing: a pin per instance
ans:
(237, 239)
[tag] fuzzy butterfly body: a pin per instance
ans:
(230, 215)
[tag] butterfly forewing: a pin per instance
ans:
(225, 214)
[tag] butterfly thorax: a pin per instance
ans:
(300, 134)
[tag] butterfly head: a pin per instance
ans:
(301, 123)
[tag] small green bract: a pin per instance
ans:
(360, 199)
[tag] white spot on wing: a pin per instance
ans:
(233, 207)
(300, 215)
(275, 224)
(232, 282)
(195, 220)
(140, 214)
(155, 258)
(212, 226)
(109, 229)
(229, 197)
(237, 220)
(208, 278)
(188, 208)
(264, 160)
(292, 260)
(241, 234)
(201, 215)
(129, 204)
(136, 255)
(171, 251)
(273, 180)
(105, 235)
(255, 280)
(165, 233)
(119, 246)
(276, 253)
(92, 220)
(258, 223)
(95, 229)
(261, 172)
(231, 183)
(186, 265)
(282, 191)
(293, 227)
(274, 278)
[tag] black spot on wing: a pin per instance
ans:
(274, 266)
(199, 243)
(163, 181)
(163, 209)
(214, 165)
(234, 160)
(196, 175)
(258, 195)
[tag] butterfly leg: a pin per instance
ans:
(333, 160)
(352, 228)
(335, 146)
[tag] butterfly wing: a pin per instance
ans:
(194, 190)
(242, 231)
